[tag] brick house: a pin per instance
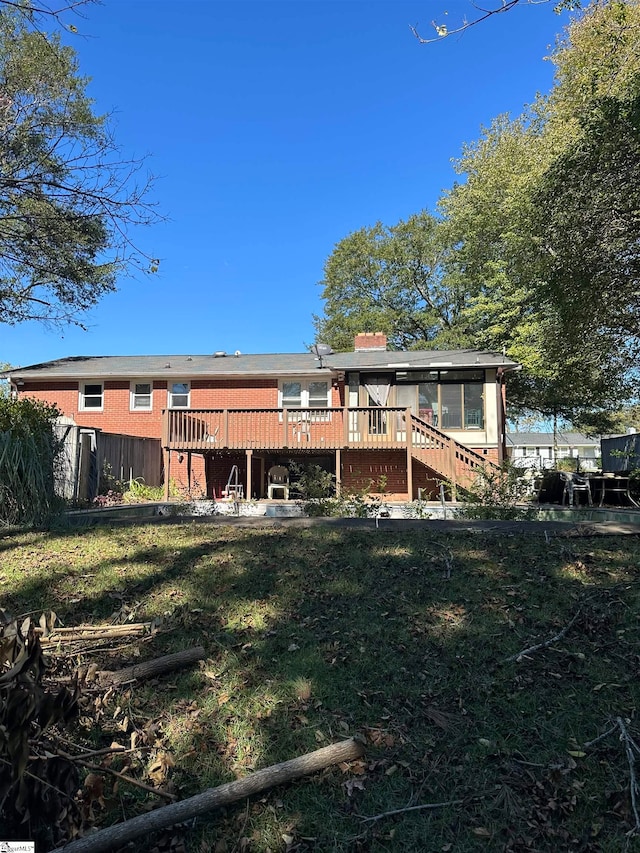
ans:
(394, 422)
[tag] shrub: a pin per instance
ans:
(496, 495)
(28, 451)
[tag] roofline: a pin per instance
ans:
(326, 370)
(185, 374)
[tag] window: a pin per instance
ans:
(318, 395)
(140, 399)
(178, 395)
(473, 405)
(291, 395)
(452, 405)
(304, 394)
(428, 402)
(91, 396)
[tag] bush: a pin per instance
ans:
(496, 495)
(28, 451)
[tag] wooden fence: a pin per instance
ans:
(86, 453)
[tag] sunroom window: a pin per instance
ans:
(452, 399)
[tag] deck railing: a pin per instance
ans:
(318, 429)
(366, 427)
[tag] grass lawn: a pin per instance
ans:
(317, 634)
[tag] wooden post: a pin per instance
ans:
(338, 471)
(189, 471)
(249, 472)
(167, 472)
(454, 475)
(409, 442)
(347, 417)
(165, 427)
(261, 489)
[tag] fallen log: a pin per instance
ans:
(165, 816)
(74, 635)
(151, 668)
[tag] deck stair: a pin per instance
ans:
(450, 459)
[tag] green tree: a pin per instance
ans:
(68, 201)
(539, 239)
(391, 279)
(546, 226)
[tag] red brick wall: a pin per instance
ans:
(117, 417)
(359, 468)
(179, 475)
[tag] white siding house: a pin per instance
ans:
(536, 449)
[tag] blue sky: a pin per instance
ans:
(275, 129)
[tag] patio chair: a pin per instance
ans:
(212, 437)
(278, 480)
(301, 429)
(575, 483)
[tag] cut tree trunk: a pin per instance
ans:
(152, 668)
(277, 774)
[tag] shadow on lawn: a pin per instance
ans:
(315, 634)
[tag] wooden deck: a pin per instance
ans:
(319, 430)
(281, 429)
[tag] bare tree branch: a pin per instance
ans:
(539, 646)
(442, 31)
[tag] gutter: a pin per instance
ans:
(500, 380)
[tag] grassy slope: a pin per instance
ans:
(316, 634)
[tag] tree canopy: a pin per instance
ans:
(391, 278)
(68, 200)
(538, 241)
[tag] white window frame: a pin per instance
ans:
(304, 381)
(133, 395)
(292, 411)
(170, 395)
(82, 396)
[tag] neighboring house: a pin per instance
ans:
(392, 422)
(536, 449)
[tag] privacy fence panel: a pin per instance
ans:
(130, 457)
(621, 454)
(85, 453)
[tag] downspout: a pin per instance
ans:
(502, 404)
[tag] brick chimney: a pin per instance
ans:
(370, 341)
